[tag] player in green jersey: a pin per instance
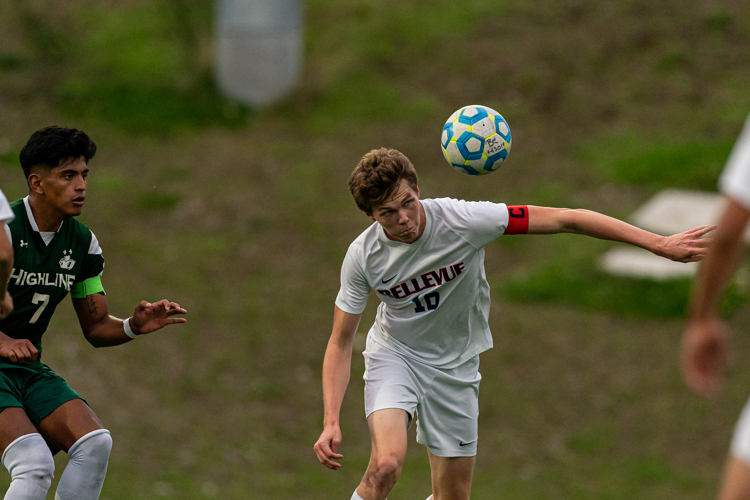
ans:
(54, 254)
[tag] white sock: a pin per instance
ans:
(355, 496)
(83, 477)
(31, 468)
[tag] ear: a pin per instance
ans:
(35, 183)
(370, 217)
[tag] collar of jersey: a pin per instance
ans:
(427, 228)
(32, 221)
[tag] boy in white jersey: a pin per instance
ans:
(425, 259)
(704, 343)
(6, 257)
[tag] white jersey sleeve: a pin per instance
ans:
(352, 296)
(6, 213)
(735, 180)
(479, 222)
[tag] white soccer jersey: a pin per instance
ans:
(735, 180)
(6, 213)
(435, 299)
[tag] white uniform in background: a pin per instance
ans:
(735, 184)
(6, 213)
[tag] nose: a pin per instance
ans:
(403, 217)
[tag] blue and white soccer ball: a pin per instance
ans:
(476, 140)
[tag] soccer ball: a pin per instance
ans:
(476, 140)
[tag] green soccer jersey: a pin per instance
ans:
(44, 273)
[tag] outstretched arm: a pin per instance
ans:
(682, 247)
(103, 330)
(704, 343)
(336, 371)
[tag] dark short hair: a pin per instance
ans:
(378, 175)
(49, 146)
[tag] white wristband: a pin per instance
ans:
(126, 327)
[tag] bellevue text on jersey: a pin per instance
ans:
(429, 279)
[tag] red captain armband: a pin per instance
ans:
(518, 220)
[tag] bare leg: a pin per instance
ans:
(451, 477)
(13, 424)
(74, 427)
(68, 423)
(388, 438)
(735, 484)
(26, 456)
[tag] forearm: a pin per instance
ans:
(107, 332)
(719, 265)
(336, 374)
(596, 225)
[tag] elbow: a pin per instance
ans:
(571, 218)
(724, 243)
(93, 339)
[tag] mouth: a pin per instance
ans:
(78, 201)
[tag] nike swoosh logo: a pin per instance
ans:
(386, 281)
(466, 444)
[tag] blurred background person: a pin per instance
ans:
(6, 257)
(704, 343)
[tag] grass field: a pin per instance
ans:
(243, 217)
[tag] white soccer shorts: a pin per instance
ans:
(446, 402)
(741, 439)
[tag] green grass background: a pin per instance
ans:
(244, 217)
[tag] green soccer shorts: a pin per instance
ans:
(36, 389)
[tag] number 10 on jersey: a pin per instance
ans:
(431, 302)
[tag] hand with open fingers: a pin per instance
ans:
(704, 355)
(18, 350)
(689, 246)
(6, 305)
(150, 317)
(326, 447)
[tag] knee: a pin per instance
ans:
(386, 471)
(94, 447)
(28, 459)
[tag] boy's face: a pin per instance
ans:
(64, 186)
(401, 215)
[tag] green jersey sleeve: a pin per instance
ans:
(89, 281)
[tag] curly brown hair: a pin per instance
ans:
(377, 175)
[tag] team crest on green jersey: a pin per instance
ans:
(66, 262)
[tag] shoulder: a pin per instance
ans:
(19, 212)
(452, 208)
(83, 235)
(18, 207)
(366, 239)
(735, 179)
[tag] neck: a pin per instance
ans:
(47, 218)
